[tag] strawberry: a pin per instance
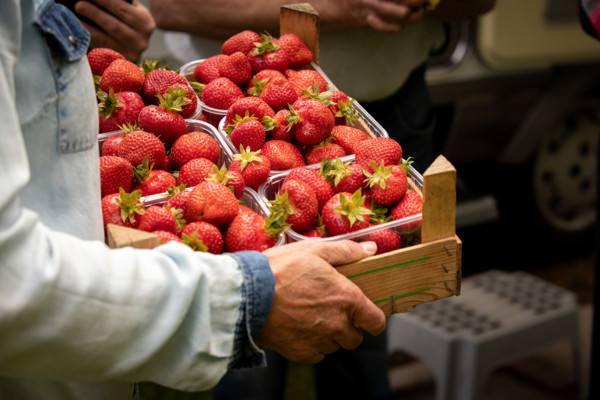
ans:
(378, 149)
(247, 231)
(195, 144)
(203, 236)
(165, 120)
(221, 93)
(110, 145)
(166, 236)
(268, 54)
(195, 171)
(122, 75)
(342, 108)
(247, 132)
(178, 197)
(254, 106)
(138, 145)
(312, 121)
(157, 218)
(155, 181)
(158, 81)
(343, 177)
(282, 130)
(260, 79)
(298, 54)
(122, 208)
(208, 69)
(232, 179)
(282, 154)
(100, 57)
(387, 184)
(120, 109)
(278, 93)
(115, 172)
(319, 184)
(348, 137)
(298, 202)
(344, 212)
(236, 67)
(189, 106)
(386, 240)
(253, 166)
(326, 150)
(211, 202)
(411, 204)
(307, 78)
(242, 41)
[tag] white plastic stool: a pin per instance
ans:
(499, 317)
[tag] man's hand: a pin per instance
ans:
(317, 310)
(123, 27)
(393, 15)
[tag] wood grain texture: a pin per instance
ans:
(303, 20)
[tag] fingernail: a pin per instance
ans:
(370, 247)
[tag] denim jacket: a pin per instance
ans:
(77, 319)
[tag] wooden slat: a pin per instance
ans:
(439, 200)
(120, 236)
(303, 20)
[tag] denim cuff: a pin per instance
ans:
(258, 291)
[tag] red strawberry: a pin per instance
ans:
(115, 173)
(138, 145)
(122, 208)
(192, 145)
(254, 106)
(178, 197)
(344, 213)
(312, 121)
(247, 231)
(341, 107)
(203, 236)
(282, 130)
(232, 179)
(110, 145)
(319, 184)
(260, 79)
(348, 137)
(376, 150)
(208, 69)
(195, 171)
(387, 184)
(162, 120)
(247, 132)
(165, 236)
(221, 93)
(236, 67)
(155, 181)
(242, 41)
(299, 203)
(282, 154)
(307, 78)
(211, 202)
(158, 81)
(386, 239)
(325, 150)
(411, 204)
(268, 54)
(122, 75)
(278, 93)
(100, 57)
(120, 109)
(298, 54)
(253, 166)
(157, 218)
(344, 177)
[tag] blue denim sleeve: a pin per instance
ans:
(257, 297)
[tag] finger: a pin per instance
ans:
(369, 317)
(99, 38)
(350, 339)
(343, 251)
(390, 11)
(379, 24)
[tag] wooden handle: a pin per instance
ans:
(439, 201)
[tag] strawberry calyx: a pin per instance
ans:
(334, 170)
(314, 92)
(379, 215)
(220, 175)
(149, 65)
(247, 156)
(270, 123)
(130, 205)
(352, 208)
(142, 172)
(175, 98)
(109, 102)
(294, 118)
(198, 88)
(194, 241)
(347, 111)
(238, 120)
(128, 127)
(258, 86)
(265, 45)
(180, 222)
(379, 176)
(405, 164)
(275, 224)
(172, 191)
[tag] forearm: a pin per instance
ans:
(215, 19)
(451, 10)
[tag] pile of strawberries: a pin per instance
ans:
(344, 197)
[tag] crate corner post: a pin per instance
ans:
(303, 20)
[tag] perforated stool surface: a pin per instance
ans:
(499, 316)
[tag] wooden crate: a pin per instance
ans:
(399, 280)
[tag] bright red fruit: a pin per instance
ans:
(211, 202)
(138, 145)
(247, 231)
(122, 75)
(344, 213)
(100, 57)
(157, 218)
(282, 154)
(203, 236)
(192, 145)
(115, 172)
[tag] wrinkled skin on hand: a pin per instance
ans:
(316, 310)
(123, 27)
(393, 15)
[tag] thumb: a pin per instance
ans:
(345, 251)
